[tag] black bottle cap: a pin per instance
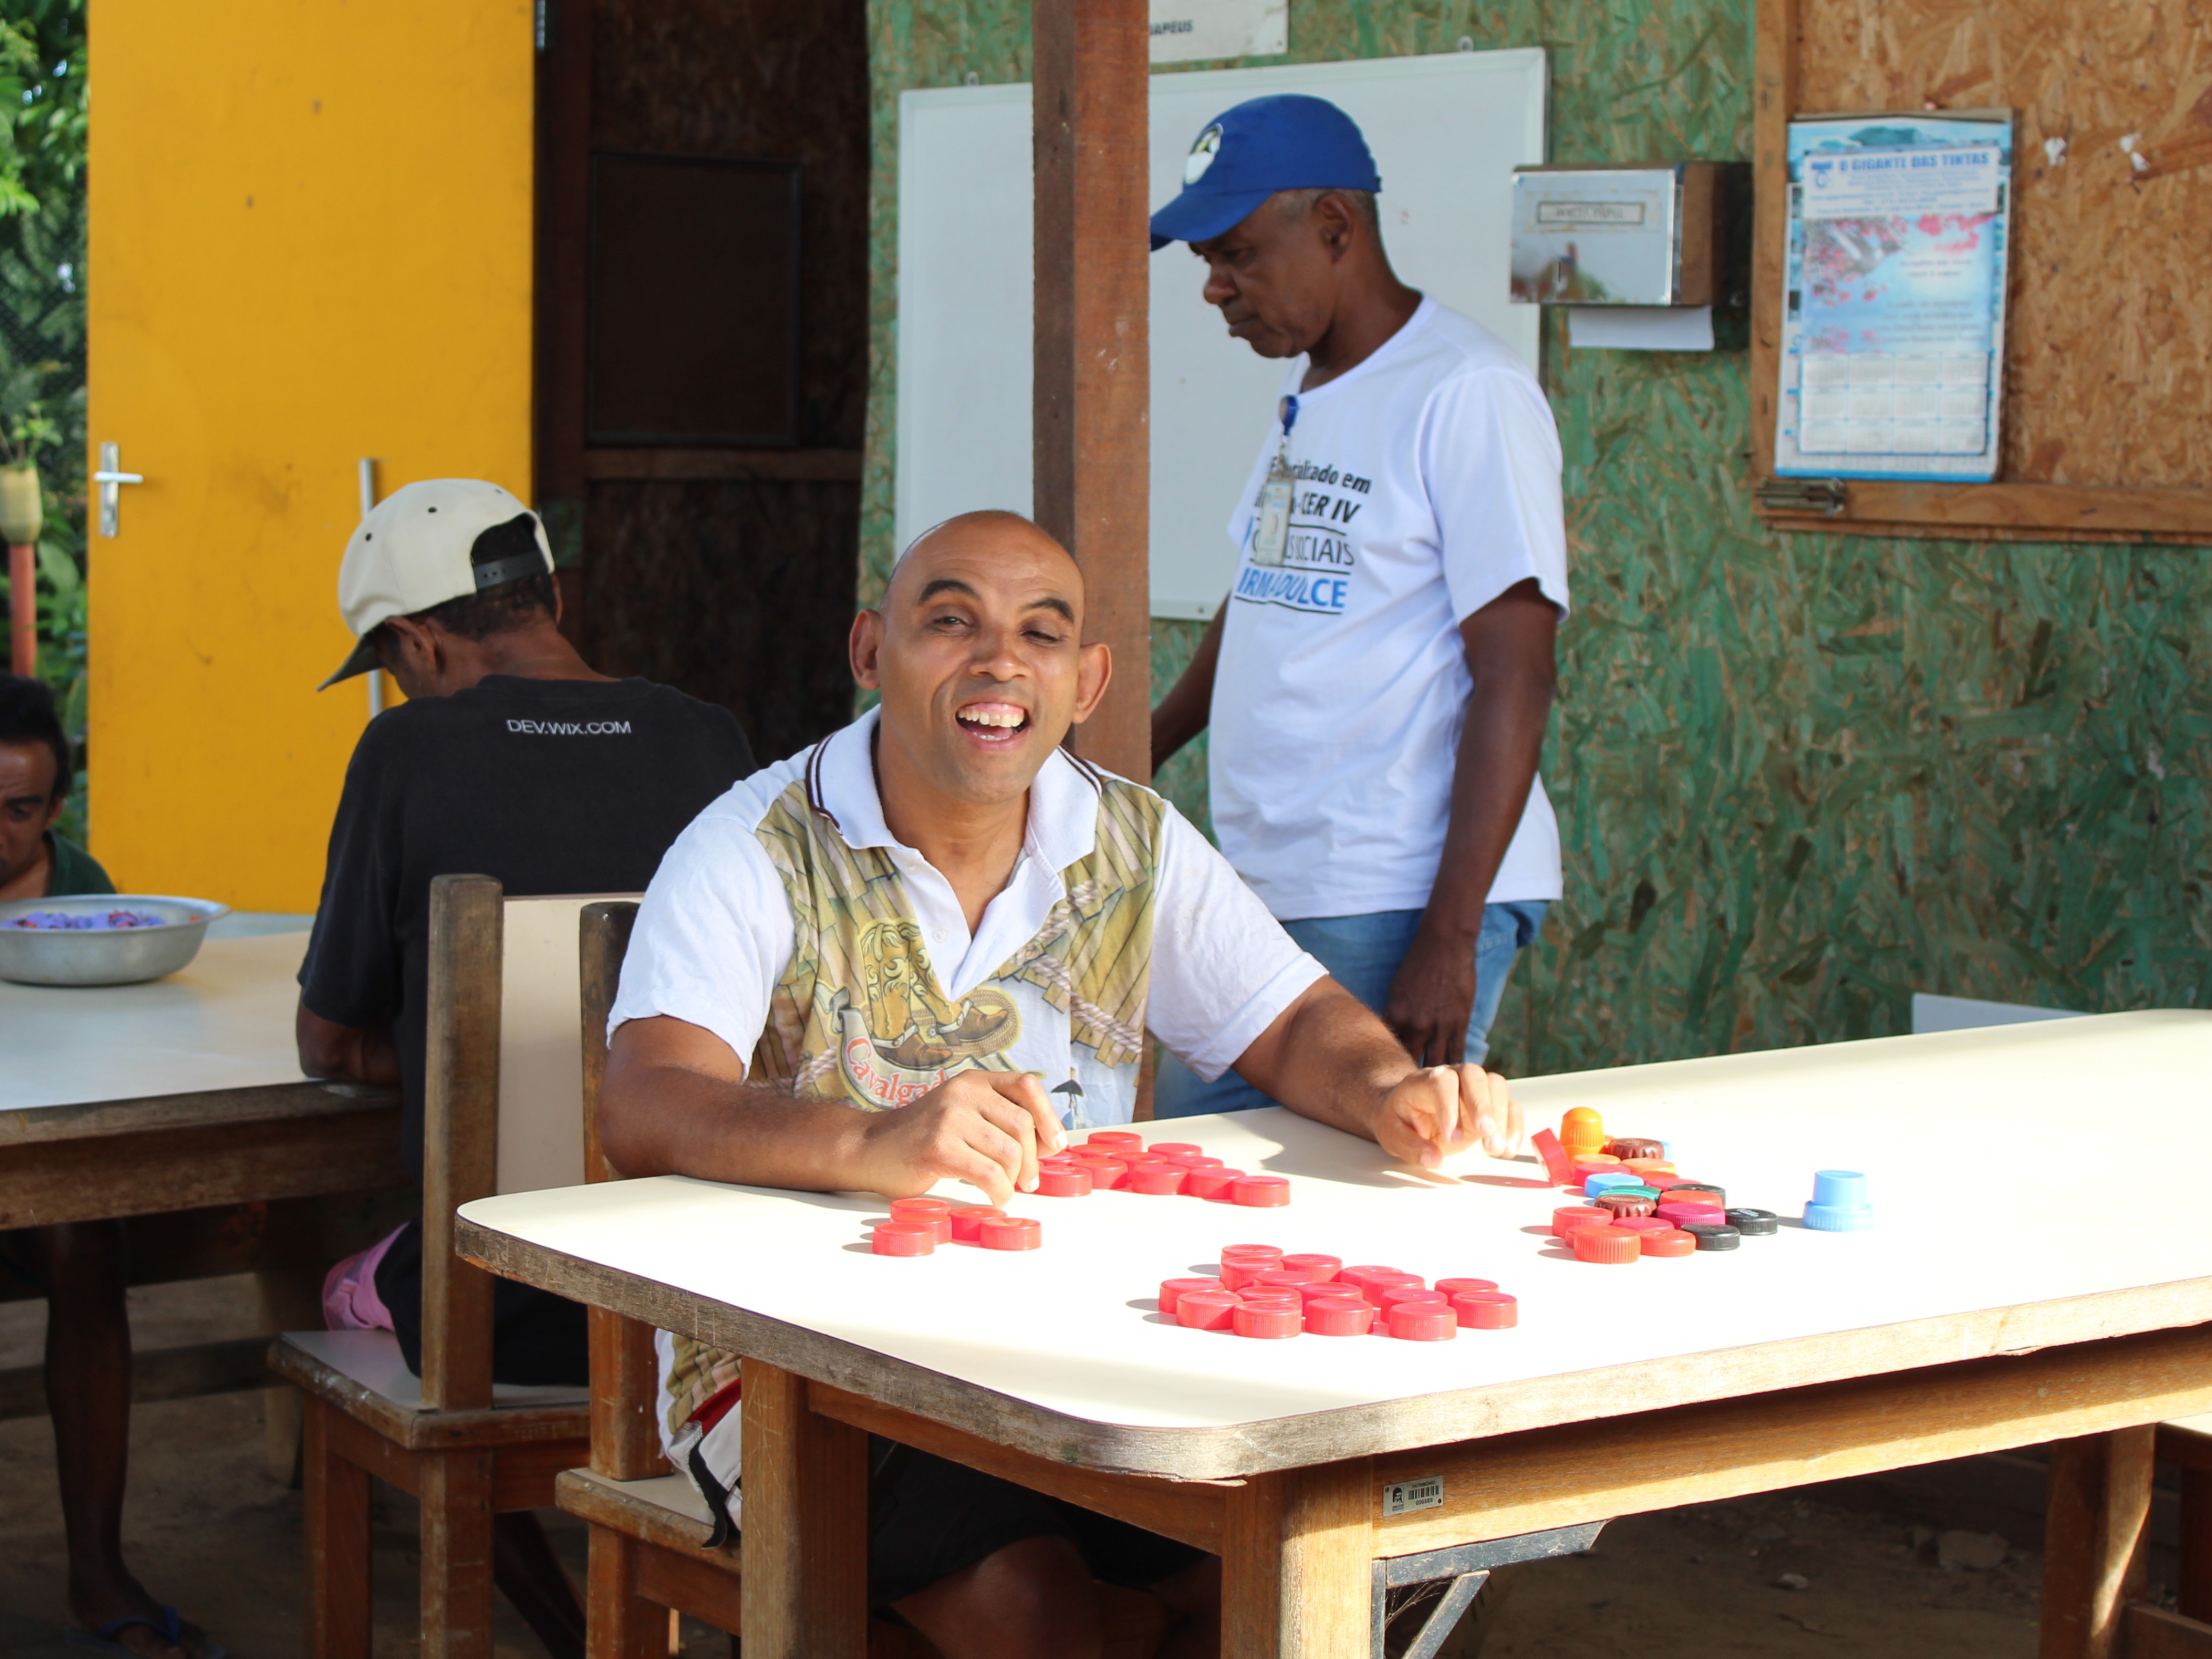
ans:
(1715, 1238)
(1753, 1223)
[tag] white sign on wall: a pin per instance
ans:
(1187, 31)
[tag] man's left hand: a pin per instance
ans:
(1442, 1109)
(1432, 997)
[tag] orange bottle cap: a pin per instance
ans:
(1612, 1245)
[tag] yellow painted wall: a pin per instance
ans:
(311, 241)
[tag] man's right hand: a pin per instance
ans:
(986, 1128)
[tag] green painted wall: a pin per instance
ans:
(1799, 777)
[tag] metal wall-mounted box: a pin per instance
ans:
(1657, 235)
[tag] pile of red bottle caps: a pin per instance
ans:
(1263, 1293)
(919, 1225)
(1119, 1159)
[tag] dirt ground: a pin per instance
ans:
(1785, 1575)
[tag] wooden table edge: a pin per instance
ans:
(25, 1126)
(1240, 1450)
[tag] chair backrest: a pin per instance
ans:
(501, 996)
(625, 1381)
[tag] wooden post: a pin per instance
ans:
(1093, 393)
(456, 1498)
(23, 610)
(1774, 101)
(335, 1546)
(804, 1541)
(1296, 1577)
(460, 1135)
(2095, 1541)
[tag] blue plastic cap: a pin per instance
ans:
(1839, 1202)
(1605, 1181)
(1245, 154)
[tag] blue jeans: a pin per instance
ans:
(1362, 953)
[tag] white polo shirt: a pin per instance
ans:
(1428, 484)
(716, 932)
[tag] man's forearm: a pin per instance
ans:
(670, 1119)
(1188, 705)
(1498, 751)
(1330, 1059)
(347, 1054)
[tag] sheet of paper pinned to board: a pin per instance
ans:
(1640, 328)
(1892, 332)
(1191, 31)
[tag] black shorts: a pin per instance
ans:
(536, 1338)
(929, 1518)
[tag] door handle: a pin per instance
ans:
(111, 482)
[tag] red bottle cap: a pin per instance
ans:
(1424, 1322)
(1156, 1176)
(1195, 1161)
(1378, 1281)
(903, 1238)
(1173, 1148)
(1206, 1310)
(1694, 1215)
(1339, 1317)
(1391, 1296)
(1266, 1323)
(1357, 1276)
(1209, 1183)
(1588, 1164)
(1331, 1291)
(1260, 1192)
(1487, 1310)
(1112, 1138)
(1644, 1223)
(1106, 1173)
(1663, 1182)
(968, 1221)
(1647, 1165)
(1557, 1165)
(1324, 1268)
(1289, 1300)
(1016, 1233)
(1268, 1252)
(935, 1210)
(1170, 1289)
(1238, 1275)
(1066, 1181)
(1718, 1196)
(1569, 1217)
(1282, 1278)
(1672, 1242)
(1460, 1286)
(1606, 1244)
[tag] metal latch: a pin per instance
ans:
(1826, 496)
(111, 483)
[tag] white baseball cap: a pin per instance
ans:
(417, 549)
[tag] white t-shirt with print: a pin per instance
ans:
(714, 934)
(1428, 484)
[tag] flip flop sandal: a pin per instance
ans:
(169, 1628)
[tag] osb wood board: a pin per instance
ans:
(1059, 1352)
(2106, 394)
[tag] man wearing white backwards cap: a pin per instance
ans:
(511, 758)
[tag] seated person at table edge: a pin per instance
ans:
(511, 758)
(79, 1266)
(938, 909)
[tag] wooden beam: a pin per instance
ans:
(2096, 1543)
(2154, 1633)
(1774, 99)
(1092, 386)
(2022, 511)
(805, 1544)
(460, 1134)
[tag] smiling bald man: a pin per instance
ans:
(939, 917)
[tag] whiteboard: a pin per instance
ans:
(1447, 132)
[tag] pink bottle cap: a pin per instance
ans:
(1376, 1282)
(1260, 1192)
(1017, 1233)
(1271, 1254)
(1339, 1317)
(1331, 1291)
(1156, 1176)
(1242, 1275)
(1694, 1215)
(1644, 1223)
(1424, 1322)
(1115, 1139)
(1212, 1182)
(968, 1221)
(1487, 1310)
(1170, 1289)
(903, 1238)
(1194, 1161)
(1066, 1181)
(1173, 1148)
(1452, 1287)
(1357, 1276)
(1394, 1296)
(935, 1210)
(1280, 1279)
(1260, 1298)
(1206, 1310)
(1106, 1173)
(1325, 1267)
(1266, 1323)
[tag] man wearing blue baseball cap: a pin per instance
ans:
(1378, 680)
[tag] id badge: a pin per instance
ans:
(1271, 527)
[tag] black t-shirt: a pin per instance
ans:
(549, 786)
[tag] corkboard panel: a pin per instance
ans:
(2107, 423)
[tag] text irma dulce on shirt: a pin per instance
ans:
(570, 728)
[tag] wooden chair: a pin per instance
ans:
(648, 1526)
(502, 1114)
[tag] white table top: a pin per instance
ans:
(224, 1021)
(2012, 1170)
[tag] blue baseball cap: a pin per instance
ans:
(1289, 142)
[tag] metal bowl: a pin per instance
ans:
(122, 956)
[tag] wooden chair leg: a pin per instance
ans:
(456, 1489)
(618, 1622)
(336, 1527)
(2096, 1555)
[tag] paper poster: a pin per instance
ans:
(1893, 339)
(1190, 31)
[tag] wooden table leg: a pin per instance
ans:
(336, 1547)
(803, 1526)
(2095, 1552)
(1296, 1566)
